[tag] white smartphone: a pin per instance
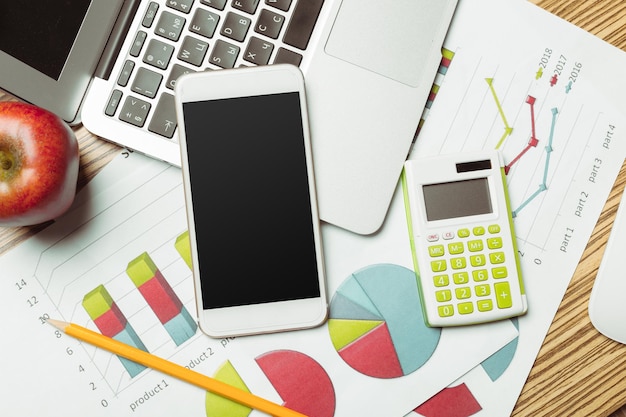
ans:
(254, 226)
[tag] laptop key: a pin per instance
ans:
(204, 22)
(151, 11)
(216, 4)
(302, 23)
(177, 71)
(192, 51)
(127, 70)
(113, 102)
(170, 25)
(269, 24)
(224, 54)
(285, 56)
(140, 39)
(180, 5)
(135, 111)
(235, 26)
(279, 4)
(258, 51)
(146, 82)
(158, 54)
(163, 120)
(248, 6)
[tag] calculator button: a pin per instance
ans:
(439, 265)
(443, 295)
(463, 232)
(455, 248)
(485, 305)
(482, 290)
(494, 242)
(480, 275)
(445, 311)
(460, 278)
(447, 235)
(494, 228)
(475, 245)
(496, 257)
(503, 295)
(463, 292)
(432, 237)
(441, 280)
(458, 263)
(466, 308)
(478, 260)
(436, 250)
(478, 230)
(499, 272)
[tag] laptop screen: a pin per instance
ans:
(41, 33)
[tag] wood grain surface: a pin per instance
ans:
(578, 372)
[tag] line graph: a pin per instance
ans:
(543, 128)
(558, 140)
(533, 141)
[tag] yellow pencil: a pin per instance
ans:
(172, 369)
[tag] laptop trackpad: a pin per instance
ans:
(389, 37)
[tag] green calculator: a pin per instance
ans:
(463, 239)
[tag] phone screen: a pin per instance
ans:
(251, 202)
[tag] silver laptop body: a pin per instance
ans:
(369, 66)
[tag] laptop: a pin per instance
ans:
(368, 65)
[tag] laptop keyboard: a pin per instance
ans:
(181, 36)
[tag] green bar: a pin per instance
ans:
(97, 302)
(183, 247)
(141, 269)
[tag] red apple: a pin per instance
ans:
(39, 162)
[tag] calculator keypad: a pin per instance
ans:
(469, 271)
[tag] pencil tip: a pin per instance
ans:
(56, 323)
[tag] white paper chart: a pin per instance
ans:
(117, 264)
(543, 92)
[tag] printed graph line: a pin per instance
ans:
(507, 128)
(532, 142)
(548, 149)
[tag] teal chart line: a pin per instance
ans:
(543, 186)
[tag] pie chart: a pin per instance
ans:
(299, 380)
(377, 325)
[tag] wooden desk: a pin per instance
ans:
(578, 372)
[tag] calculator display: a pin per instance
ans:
(457, 199)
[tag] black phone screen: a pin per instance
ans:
(251, 202)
